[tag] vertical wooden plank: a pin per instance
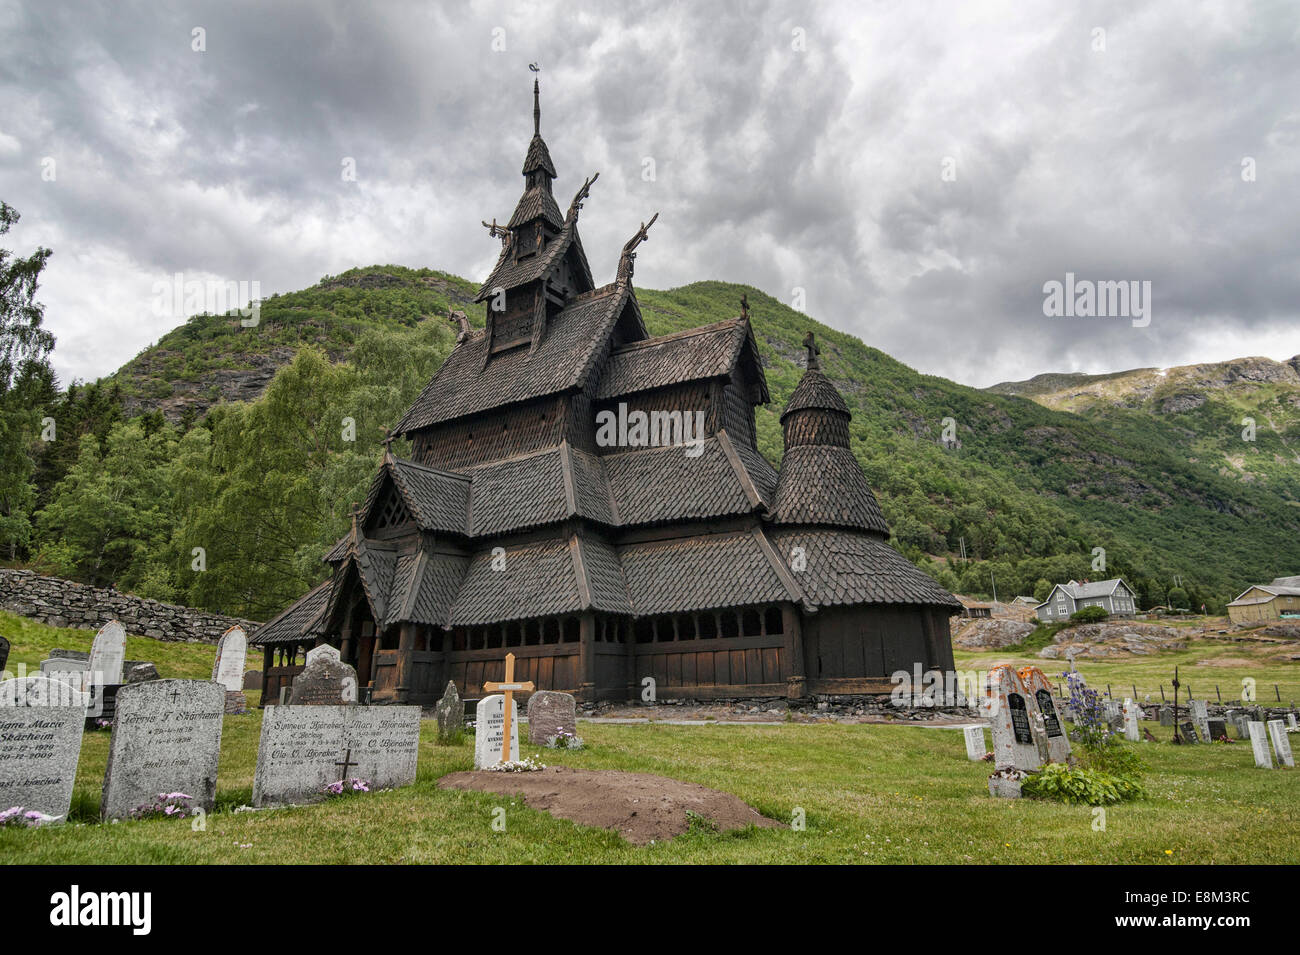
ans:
(754, 666)
(690, 664)
(704, 668)
(772, 665)
(722, 668)
(675, 669)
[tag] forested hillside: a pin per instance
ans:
(162, 484)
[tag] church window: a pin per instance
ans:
(772, 622)
(708, 626)
(730, 625)
(750, 621)
(572, 630)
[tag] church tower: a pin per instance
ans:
(542, 264)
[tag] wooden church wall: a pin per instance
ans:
(856, 649)
(490, 437)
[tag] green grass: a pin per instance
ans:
(870, 793)
(1202, 665)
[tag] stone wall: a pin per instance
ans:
(65, 603)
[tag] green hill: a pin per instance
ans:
(1030, 490)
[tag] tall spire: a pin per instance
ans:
(537, 110)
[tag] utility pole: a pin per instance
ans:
(995, 587)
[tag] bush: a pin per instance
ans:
(1078, 786)
(1089, 615)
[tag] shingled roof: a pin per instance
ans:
(299, 618)
(848, 568)
(563, 360)
(438, 500)
(815, 391)
(702, 573)
(824, 485)
(707, 352)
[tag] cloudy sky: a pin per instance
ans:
(919, 170)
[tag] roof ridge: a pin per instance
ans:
(679, 335)
(407, 462)
(742, 474)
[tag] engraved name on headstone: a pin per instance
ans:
(1043, 714)
(228, 668)
(549, 713)
(303, 749)
(1281, 744)
(489, 730)
(325, 680)
(1259, 745)
(166, 738)
(107, 655)
(41, 722)
(1014, 744)
(974, 742)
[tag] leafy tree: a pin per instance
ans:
(1042, 589)
(112, 511)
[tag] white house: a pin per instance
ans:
(1113, 596)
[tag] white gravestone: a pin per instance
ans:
(1044, 715)
(1131, 731)
(975, 742)
(41, 723)
(228, 668)
(1281, 744)
(489, 730)
(303, 749)
(107, 656)
(166, 738)
(1200, 719)
(1014, 739)
(1259, 744)
(1290, 721)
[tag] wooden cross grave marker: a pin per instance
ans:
(508, 688)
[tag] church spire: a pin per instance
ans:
(537, 109)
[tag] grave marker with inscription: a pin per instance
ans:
(1281, 744)
(303, 749)
(1200, 715)
(1043, 712)
(166, 738)
(1259, 745)
(489, 730)
(325, 681)
(228, 668)
(450, 713)
(1014, 742)
(41, 722)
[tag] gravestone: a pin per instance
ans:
(228, 667)
(1281, 744)
(107, 656)
(1218, 729)
(4, 652)
(1166, 716)
(548, 713)
(1200, 716)
(1241, 723)
(252, 680)
(1131, 722)
(303, 749)
(1188, 732)
(489, 730)
(325, 681)
(41, 722)
(1015, 743)
(142, 673)
(1259, 745)
(1043, 712)
(450, 713)
(1290, 721)
(166, 738)
(975, 742)
(69, 671)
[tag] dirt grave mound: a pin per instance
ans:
(640, 807)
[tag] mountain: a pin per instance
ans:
(1240, 417)
(1029, 490)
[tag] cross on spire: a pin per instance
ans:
(537, 109)
(810, 343)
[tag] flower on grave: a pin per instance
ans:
(166, 805)
(341, 786)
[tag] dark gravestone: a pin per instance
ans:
(1019, 718)
(1189, 732)
(253, 680)
(1050, 721)
(450, 713)
(325, 680)
(1218, 729)
(549, 714)
(4, 652)
(1166, 716)
(142, 673)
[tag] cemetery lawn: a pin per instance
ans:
(871, 793)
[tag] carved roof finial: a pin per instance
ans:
(356, 510)
(628, 256)
(581, 197)
(744, 306)
(461, 321)
(810, 343)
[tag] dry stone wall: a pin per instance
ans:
(66, 603)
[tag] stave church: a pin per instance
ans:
(592, 499)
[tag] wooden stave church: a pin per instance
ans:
(512, 530)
